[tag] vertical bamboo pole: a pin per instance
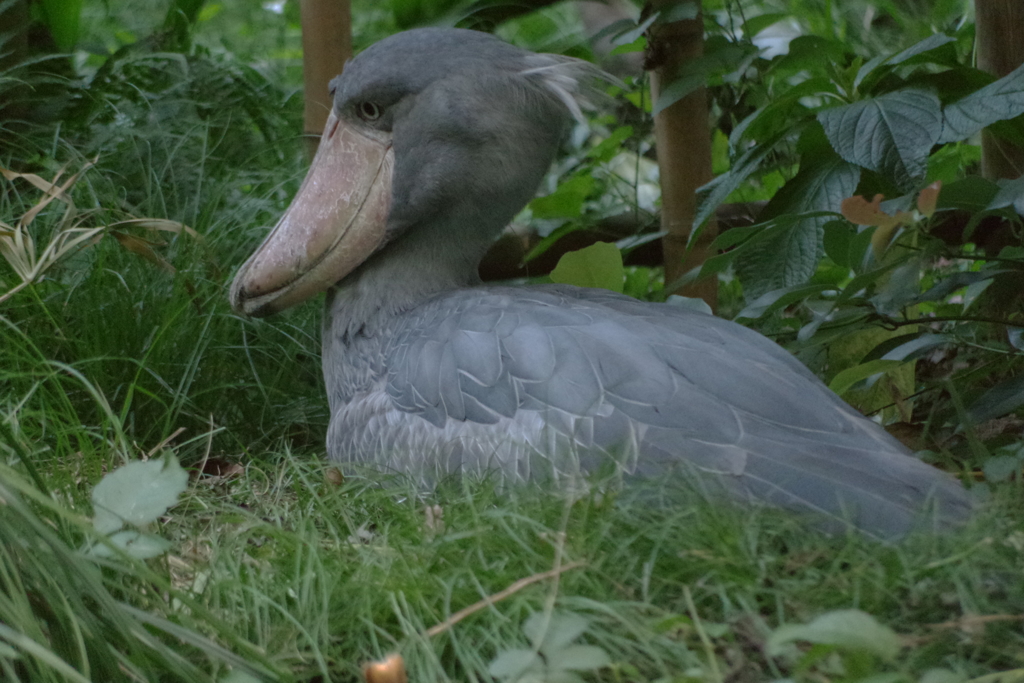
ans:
(683, 139)
(326, 46)
(999, 27)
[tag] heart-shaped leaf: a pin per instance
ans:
(137, 493)
(891, 134)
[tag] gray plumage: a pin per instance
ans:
(430, 373)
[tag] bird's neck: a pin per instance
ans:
(420, 264)
(363, 311)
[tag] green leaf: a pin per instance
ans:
(861, 282)
(718, 55)
(849, 629)
(737, 242)
(638, 45)
(1003, 398)
(915, 348)
(822, 184)
(681, 10)
(1011, 193)
(929, 44)
(552, 633)
(566, 201)
(677, 89)
(881, 65)
(1015, 335)
(1003, 99)
(137, 493)
(606, 150)
(551, 239)
(891, 134)
(900, 290)
(614, 30)
(754, 25)
(843, 381)
(972, 193)
(715, 192)
(789, 254)
(779, 298)
(138, 545)
(634, 32)
(1001, 467)
(209, 11)
(690, 303)
(512, 664)
(599, 265)
(953, 282)
(579, 658)
(836, 238)
(812, 54)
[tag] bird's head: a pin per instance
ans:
(441, 128)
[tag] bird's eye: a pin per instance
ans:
(368, 111)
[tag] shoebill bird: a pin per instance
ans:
(437, 138)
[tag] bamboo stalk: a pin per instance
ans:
(683, 139)
(326, 46)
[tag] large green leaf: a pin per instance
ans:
(1011, 192)
(550, 633)
(997, 101)
(566, 201)
(811, 54)
(719, 55)
(599, 265)
(972, 193)
(766, 303)
(714, 193)
(891, 134)
(843, 381)
(919, 52)
(786, 256)
(789, 255)
(137, 493)
(1003, 398)
(848, 629)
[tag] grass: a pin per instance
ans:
(314, 577)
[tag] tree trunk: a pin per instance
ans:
(683, 140)
(326, 46)
(1000, 43)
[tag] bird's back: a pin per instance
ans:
(551, 380)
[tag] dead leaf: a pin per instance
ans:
(860, 211)
(928, 198)
(221, 467)
(161, 224)
(50, 189)
(143, 248)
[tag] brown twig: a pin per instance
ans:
(172, 437)
(499, 596)
(961, 623)
(978, 619)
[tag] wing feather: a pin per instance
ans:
(656, 387)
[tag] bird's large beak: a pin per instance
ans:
(336, 221)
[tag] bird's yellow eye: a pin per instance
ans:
(368, 111)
